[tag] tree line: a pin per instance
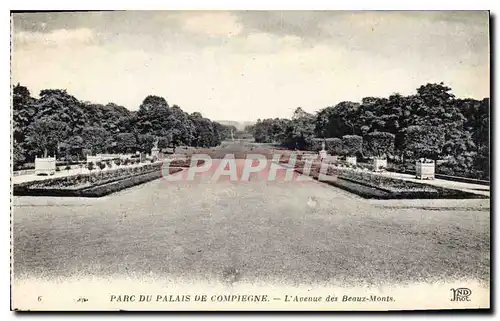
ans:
(432, 123)
(58, 124)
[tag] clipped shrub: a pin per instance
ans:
(118, 162)
(333, 146)
(378, 144)
(58, 169)
(67, 167)
(108, 163)
(90, 166)
(352, 145)
(315, 144)
(462, 166)
(423, 142)
(102, 165)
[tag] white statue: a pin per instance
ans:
(322, 152)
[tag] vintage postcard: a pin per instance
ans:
(250, 160)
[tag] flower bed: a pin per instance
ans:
(86, 180)
(388, 184)
(184, 163)
(370, 185)
(93, 184)
(102, 190)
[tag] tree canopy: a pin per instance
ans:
(431, 123)
(59, 124)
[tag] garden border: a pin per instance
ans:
(368, 191)
(99, 190)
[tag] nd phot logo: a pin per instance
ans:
(460, 294)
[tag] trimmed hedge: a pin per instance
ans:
(332, 145)
(378, 144)
(352, 145)
(315, 144)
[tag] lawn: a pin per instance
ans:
(281, 232)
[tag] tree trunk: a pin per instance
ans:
(45, 152)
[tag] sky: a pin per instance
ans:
(245, 65)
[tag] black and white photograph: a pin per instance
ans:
(245, 160)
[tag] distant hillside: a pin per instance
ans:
(237, 124)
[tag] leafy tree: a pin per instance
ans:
(153, 117)
(477, 123)
(163, 142)
(300, 130)
(111, 117)
(18, 157)
(23, 112)
(204, 131)
(338, 120)
(371, 115)
(180, 129)
(145, 142)
(45, 135)
(96, 139)
(270, 130)
(73, 145)
(126, 142)
(57, 122)
(58, 105)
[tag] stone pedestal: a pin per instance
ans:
(45, 166)
(425, 170)
(332, 158)
(329, 159)
(155, 153)
(322, 154)
(94, 159)
(378, 164)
